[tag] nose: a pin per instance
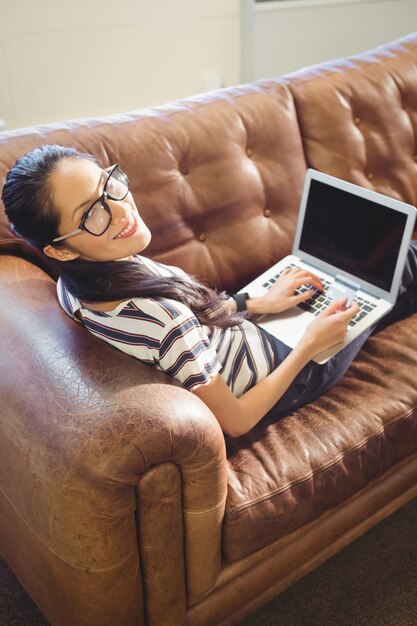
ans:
(119, 211)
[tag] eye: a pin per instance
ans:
(116, 187)
(111, 187)
(92, 211)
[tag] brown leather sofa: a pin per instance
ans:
(121, 502)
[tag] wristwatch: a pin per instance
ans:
(240, 299)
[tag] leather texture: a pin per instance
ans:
(285, 474)
(87, 423)
(121, 501)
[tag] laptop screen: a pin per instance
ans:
(352, 233)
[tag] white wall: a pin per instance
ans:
(62, 60)
(282, 36)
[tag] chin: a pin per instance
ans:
(136, 247)
(144, 242)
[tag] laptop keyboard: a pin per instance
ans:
(320, 301)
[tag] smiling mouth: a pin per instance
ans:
(129, 229)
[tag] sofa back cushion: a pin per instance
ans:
(217, 178)
(358, 118)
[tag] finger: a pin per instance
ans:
(310, 276)
(303, 277)
(309, 279)
(314, 277)
(345, 314)
(301, 297)
(305, 280)
(351, 311)
(335, 305)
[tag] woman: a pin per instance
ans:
(85, 219)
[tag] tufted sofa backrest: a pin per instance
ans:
(218, 178)
(358, 118)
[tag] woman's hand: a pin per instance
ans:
(328, 328)
(282, 296)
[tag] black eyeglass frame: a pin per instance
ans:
(102, 199)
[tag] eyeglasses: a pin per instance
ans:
(98, 217)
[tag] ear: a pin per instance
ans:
(60, 254)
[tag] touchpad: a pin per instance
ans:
(288, 326)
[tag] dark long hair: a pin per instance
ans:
(29, 203)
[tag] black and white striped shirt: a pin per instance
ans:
(165, 334)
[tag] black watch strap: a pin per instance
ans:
(240, 299)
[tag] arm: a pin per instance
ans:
(238, 415)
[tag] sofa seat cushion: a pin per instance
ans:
(284, 474)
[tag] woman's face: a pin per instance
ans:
(76, 184)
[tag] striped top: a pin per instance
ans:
(166, 335)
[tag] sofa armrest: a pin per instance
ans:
(82, 422)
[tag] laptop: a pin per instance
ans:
(356, 241)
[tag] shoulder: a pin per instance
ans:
(69, 303)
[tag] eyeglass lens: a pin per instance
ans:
(117, 185)
(98, 218)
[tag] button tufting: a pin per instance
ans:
(184, 170)
(202, 237)
(370, 176)
(249, 152)
(267, 212)
(357, 121)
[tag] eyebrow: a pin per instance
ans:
(90, 200)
